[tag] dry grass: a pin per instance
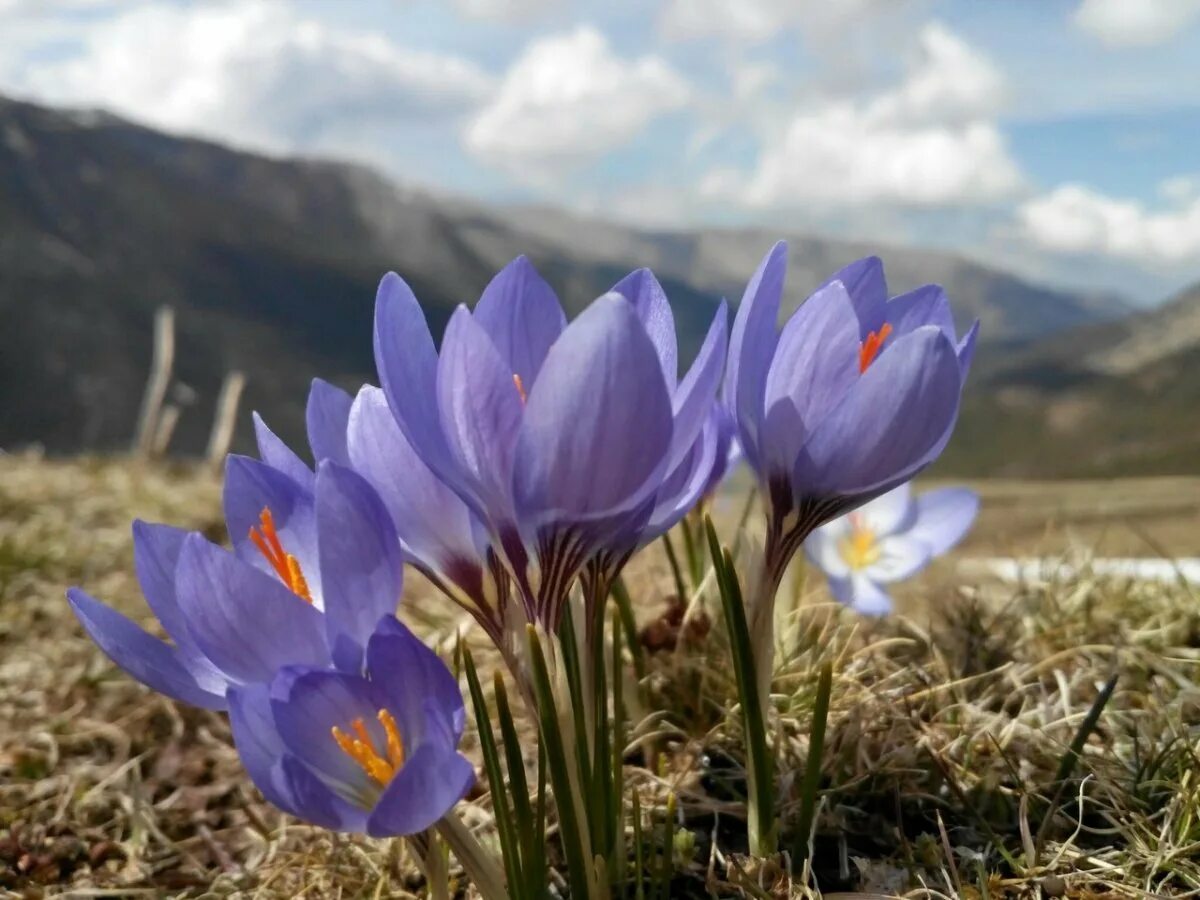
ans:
(947, 730)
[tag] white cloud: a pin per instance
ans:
(928, 141)
(1135, 23)
(754, 21)
(569, 99)
(1076, 219)
(257, 73)
(949, 81)
(503, 10)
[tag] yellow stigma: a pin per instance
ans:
(286, 566)
(859, 548)
(520, 385)
(871, 346)
(380, 767)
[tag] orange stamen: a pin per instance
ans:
(520, 388)
(859, 549)
(871, 346)
(286, 566)
(362, 750)
(395, 744)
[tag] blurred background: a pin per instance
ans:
(256, 166)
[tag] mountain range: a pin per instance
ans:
(271, 266)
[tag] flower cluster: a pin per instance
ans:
(522, 458)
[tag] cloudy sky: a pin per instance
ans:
(1055, 137)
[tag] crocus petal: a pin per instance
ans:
(428, 785)
(966, 349)
(151, 661)
(683, 487)
(865, 283)
(156, 551)
(155, 555)
(927, 305)
(411, 675)
(325, 416)
(246, 622)
(861, 594)
(251, 487)
(434, 524)
(521, 315)
(278, 455)
(894, 421)
(315, 802)
(752, 346)
(307, 704)
(481, 412)
(900, 556)
(693, 398)
(257, 742)
(650, 302)
(815, 366)
(822, 548)
(888, 513)
(944, 516)
(360, 561)
(597, 425)
(407, 362)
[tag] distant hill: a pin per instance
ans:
(271, 265)
(1116, 398)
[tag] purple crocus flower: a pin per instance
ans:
(887, 540)
(558, 437)
(855, 396)
(438, 533)
(374, 752)
(310, 576)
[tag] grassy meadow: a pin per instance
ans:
(989, 741)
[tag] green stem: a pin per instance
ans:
(760, 762)
(812, 765)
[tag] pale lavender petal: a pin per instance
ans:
(151, 661)
(893, 423)
(751, 348)
(314, 800)
(412, 675)
(325, 416)
(944, 516)
(481, 409)
(684, 487)
(597, 426)
(246, 622)
(278, 455)
(251, 487)
(407, 362)
(861, 594)
(642, 289)
(434, 524)
(816, 364)
(156, 551)
(888, 513)
(823, 548)
(361, 563)
(927, 305)
(425, 789)
(900, 556)
(694, 397)
(865, 283)
(307, 704)
(966, 349)
(520, 313)
(258, 744)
